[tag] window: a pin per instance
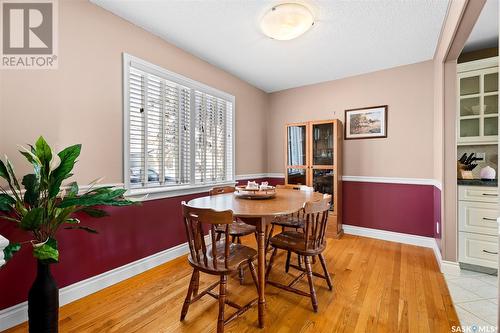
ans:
(178, 132)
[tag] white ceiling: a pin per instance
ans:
(349, 37)
(485, 31)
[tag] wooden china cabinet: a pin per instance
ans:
(314, 158)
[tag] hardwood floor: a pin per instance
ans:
(378, 287)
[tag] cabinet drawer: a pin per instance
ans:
(477, 249)
(478, 193)
(478, 217)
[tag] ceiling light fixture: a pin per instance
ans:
(287, 21)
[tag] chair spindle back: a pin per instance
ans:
(221, 190)
(316, 222)
(194, 220)
(288, 187)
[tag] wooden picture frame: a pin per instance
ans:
(374, 124)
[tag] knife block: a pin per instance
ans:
(462, 173)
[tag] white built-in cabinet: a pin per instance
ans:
(478, 102)
(477, 227)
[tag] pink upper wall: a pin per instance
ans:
(407, 90)
(81, 101)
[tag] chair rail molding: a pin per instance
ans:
(393, 180)
(369, 179)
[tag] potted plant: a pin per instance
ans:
(42, 207)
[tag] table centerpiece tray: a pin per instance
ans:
(244, 192)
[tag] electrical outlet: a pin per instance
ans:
(481, 155)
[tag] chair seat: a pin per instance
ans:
(289, 221)
(237, 255)
(294, 241)
(238, 229)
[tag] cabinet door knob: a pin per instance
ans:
(490, 252)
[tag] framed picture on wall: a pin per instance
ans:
(366, 123)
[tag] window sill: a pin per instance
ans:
(155, 193)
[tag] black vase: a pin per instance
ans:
(43, 302)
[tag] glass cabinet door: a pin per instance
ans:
(296, 176)
(296, 147)
(469, 85)
(322, 144)
(469, 127)
(491, 82)
(322, 180)
(478, 106)
(296, 171)
(322, 148)
(490, 104)
(470, 106)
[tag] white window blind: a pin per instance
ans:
(213, 157)
(179, 132)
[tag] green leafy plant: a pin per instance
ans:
(44, 206)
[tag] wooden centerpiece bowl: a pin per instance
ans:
(243, 192)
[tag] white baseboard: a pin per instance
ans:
(450, 267)
(399, 238)
(18, 313)
(390, 236)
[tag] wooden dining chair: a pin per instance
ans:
(294, 221)
(217, 258)
(308, 244)
(288, 186)
(237, 229)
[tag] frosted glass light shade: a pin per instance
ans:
(287, 21)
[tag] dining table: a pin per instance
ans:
(260, 213)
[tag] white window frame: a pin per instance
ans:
(176, 190)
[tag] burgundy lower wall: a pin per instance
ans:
(437, 216)
(132, 233)
(129, 234)
(403, 208)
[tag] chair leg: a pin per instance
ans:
(222, 300)
(219, 236)
(271, 261)
(254, 274)
(269, 235)
(187, 301)
(287, 265)
(196, 282)
(325, 269)
(299, 260)
(314, 299)
(238, 239)
(314, 260)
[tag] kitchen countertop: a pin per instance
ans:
(478, 182)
